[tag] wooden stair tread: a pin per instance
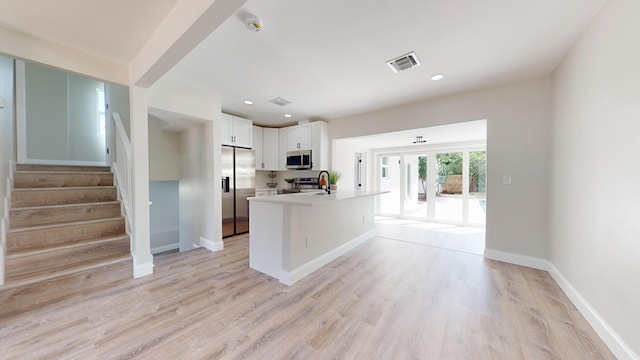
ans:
(63, 172)
(64, 206)
(45, 248)
(32, 197)
(22, 297)
(56, 214)
(65, 188)
(49, 179)
(58, 225)
(11, 283)
(49, 264)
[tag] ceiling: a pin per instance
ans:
(114, 29)
(470, 131)
(328, 57)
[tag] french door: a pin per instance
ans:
(442, 186)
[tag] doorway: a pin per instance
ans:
(436, 185)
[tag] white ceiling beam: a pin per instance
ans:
(186, 25)
(27, 47)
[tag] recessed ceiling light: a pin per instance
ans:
(437, 77)
(287, 115)
(248, 102)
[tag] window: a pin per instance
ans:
(101, 112)
(385, 167)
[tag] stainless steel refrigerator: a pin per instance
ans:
(238, 184)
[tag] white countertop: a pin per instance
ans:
(312, 199)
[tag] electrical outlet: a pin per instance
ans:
(308, 241)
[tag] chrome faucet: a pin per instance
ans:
(328, 189)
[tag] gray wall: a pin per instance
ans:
(164, 149)
(61, 117)
(164, 215)
(595, 174)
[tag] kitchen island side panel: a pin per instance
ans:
(316, 231)
(266, 232)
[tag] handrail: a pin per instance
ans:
(122, 167)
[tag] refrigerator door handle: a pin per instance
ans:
(225, 184)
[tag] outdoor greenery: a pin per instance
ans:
(451, 164)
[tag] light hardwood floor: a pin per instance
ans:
(384, 300)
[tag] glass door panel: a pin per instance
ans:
(449, 202)
(389, 203)
(415, 192)
(477, 187)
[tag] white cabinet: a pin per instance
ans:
(299, 137)
(236, 131)
(313, 136)
(270, 149)
(265, 144)
(257, 147)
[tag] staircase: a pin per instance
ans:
(64, 221)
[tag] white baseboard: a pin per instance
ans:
(211, 245)
(517, 259)
(159, 249)
(606, 333)
(140, 270)
(613, 341)
(289, 278)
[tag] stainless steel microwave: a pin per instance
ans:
(299, 159)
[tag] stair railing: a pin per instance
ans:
(122, 166)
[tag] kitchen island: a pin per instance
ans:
(292, 235)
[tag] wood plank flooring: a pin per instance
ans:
(384, 300)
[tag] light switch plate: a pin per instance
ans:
(506, 180)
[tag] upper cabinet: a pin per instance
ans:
(310, 136)
(257, 147)
(299, 137)
(270, 149)
(236, 131)
(265, 144)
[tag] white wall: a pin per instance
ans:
(164, 147)
(595, 173)
(7, 148)
(178, 97)
(198, 215)
(343, 161)
(518, 125)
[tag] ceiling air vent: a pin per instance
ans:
(280, 101)
(404, 62)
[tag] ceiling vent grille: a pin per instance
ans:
(404, 62)
(280, 101)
